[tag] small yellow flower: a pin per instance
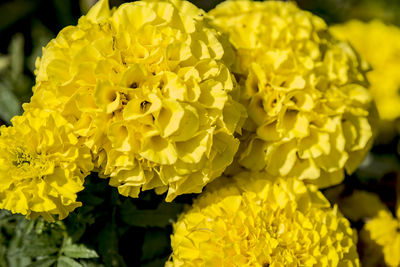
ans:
(254, 220)
(379, 45)
(360, 205)
(380, 237)
(145, 87)
(305, 92)
(42, 166)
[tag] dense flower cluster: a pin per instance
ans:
(305, 92)
(255, 221)
(42, 165)
(144, 85)
(384, 77)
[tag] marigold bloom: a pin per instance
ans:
(255, 221)
(380, 237)
(379, 45)
(304, 91)
(42, 166)
(145, 85)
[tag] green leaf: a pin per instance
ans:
(160, 217)
(43, 263)
(78, 251)
(67, 262)
(4, 62)
(155, 243)
(3, 252)
(90, 264)
(9, 104)
(37, 251)
(16, 50)
(108, 246)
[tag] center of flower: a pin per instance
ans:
(29, 165)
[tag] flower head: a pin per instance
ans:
(379, 45)
(42, 166)
(380, 237)
(255, 221)
(305, 92)
(144, 85)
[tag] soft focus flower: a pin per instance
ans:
(379, 45)
(254, 221)
(42, 166)
(144, 85)
(358, 206)
(380, 237)
(309, 109)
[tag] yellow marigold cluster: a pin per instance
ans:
(42, 165)
(305, 92)
(379, 45)
(255, 221)
(145, 88)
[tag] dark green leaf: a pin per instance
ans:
(108, 246)
(67, 262)
(156, 242)
(16, 50)
(78, 251)
(36, 251)
(43, 263)
(160, 217)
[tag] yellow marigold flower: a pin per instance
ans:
(379, 45)
(360, 205)
(145, 85)
(380, 237)
(304, 91)
(252, 220)
(42, 166)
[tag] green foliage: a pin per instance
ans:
(39, 243)
(162, 216)
(123, 231)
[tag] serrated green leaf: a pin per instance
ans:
(160, 217)
(155, 243)
(9, 104)
(37, 251)
(78, 251)
(67, 262)
(47, 262)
